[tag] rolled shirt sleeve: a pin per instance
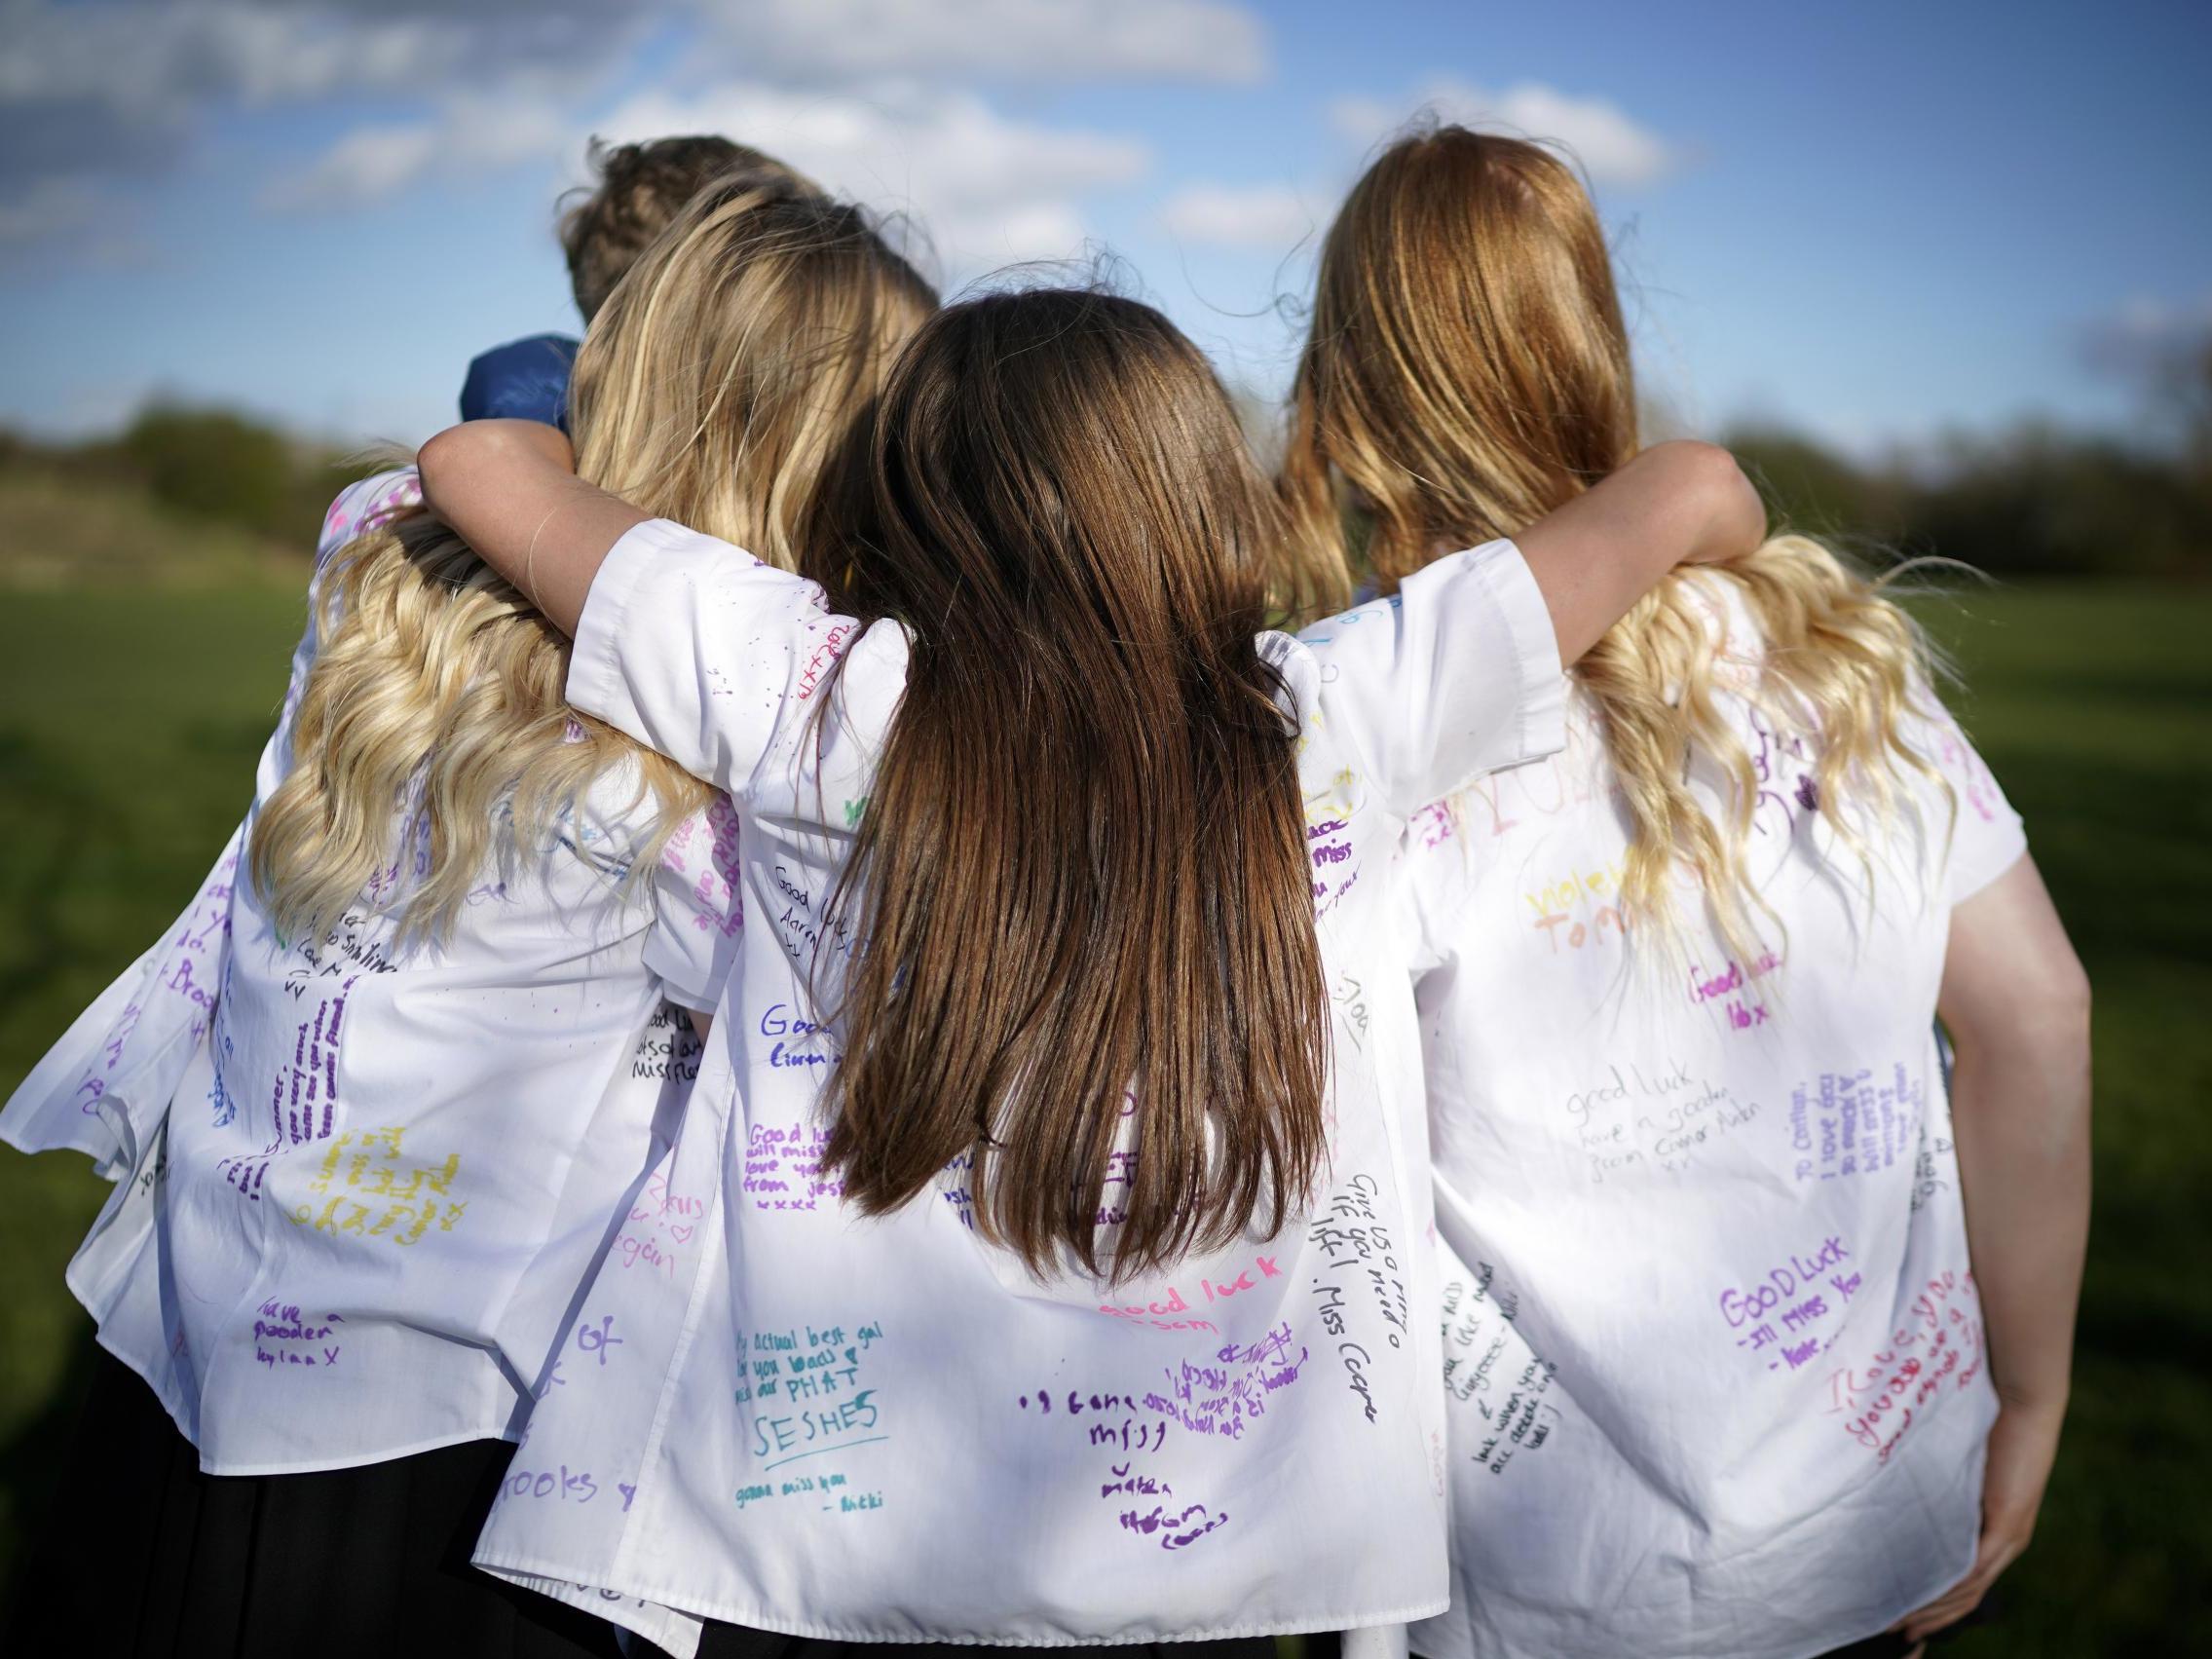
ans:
(703, 652)
(1986, 835)
(1454, 676)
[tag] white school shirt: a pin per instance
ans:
(1713, 1357)
(883, 1429)
(361, 1183)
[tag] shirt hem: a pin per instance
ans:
(304, 1466)
(752, 1618)
(319, 1466)
(1941, 1582)
(1517, 1642)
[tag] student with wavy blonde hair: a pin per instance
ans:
(392, 1092)
(1723, 1348)
(727, 374)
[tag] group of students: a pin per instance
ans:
(823, 1027)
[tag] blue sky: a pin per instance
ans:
(1878, 222)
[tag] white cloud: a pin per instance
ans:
(70, 222)
(52, 208)
(2144, 331)
(875, 95)
(113, 94)
(1061, 40)
(986, 189)
(470, 136)
(1272, 216)
(140, 55)
(1610, 144)
(132, 56)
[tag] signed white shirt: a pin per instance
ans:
(808, 1421)
(1714, 1355)
(361, 1183)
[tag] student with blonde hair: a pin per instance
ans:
(393, 1087)
(1056, 1246)
(1758, 1337)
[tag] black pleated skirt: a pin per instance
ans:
(141, 1555)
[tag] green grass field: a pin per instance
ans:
(130, 723)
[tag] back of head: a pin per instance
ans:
(717, 385)
(1081, 873)
(742, 352)
(641, 188)
(1468, 372)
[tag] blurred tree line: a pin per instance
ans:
(210, 465)
(2038, 499)
(2035, 500)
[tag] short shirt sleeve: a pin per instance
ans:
(360, 509)
(703, 652)
(698, 908)
(1987, 837)
(1455, 676)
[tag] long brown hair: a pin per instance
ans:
(1081, 873)
(716, 387)
(1468, 371)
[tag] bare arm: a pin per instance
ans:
(2016, 1002)
(1680, 503)
(511, 489)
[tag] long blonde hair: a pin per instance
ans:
(1468, 371)
(715, 387)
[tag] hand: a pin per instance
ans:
(2021, 1448)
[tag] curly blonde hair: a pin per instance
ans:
(718, 387)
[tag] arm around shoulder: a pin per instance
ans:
(511, 491)
(1676, 503)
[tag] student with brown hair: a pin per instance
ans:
(1055, 1242)
(1734, 1371)
(639, 188)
